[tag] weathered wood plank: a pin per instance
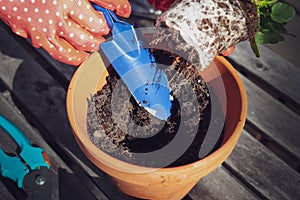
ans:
(276, 122)
(295, 4)
(10, 112)
(265, 172)
(9, 146)
(40, 94)
(5, 194)
(270, 72)
(56, 121)
(289, 48)
(220, 185)
(63, 177)
(62, 69)
(66, 71)
(50, 111)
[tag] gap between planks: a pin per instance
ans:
(273, 124)
(270, 72)
(261, 170)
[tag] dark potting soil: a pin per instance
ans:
(120, 127)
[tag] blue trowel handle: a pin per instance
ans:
(108, 15)
(125, 39)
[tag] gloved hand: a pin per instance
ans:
(67, 30)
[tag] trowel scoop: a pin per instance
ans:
(136, 66)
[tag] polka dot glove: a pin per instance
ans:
(67, 30)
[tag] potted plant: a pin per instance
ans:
(166, 182)
(152, 183)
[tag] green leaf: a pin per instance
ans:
(267, 36)
(266, 3)
(282, 12)
(264, 11)
(268, 23)
(277, 27)
(265, 22)
(261, 38)
(273, 16)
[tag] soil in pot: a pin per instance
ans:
(120, 127)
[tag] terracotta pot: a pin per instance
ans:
(149, 183)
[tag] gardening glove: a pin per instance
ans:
(206, 28)
(67, 30)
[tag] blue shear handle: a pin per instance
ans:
(12, 167)
(14, 132)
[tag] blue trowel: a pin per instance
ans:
(136, 66)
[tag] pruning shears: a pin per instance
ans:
(30, 169)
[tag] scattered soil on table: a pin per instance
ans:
(120, 127)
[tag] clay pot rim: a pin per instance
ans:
(88, 147)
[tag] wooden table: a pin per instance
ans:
(264, 165)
